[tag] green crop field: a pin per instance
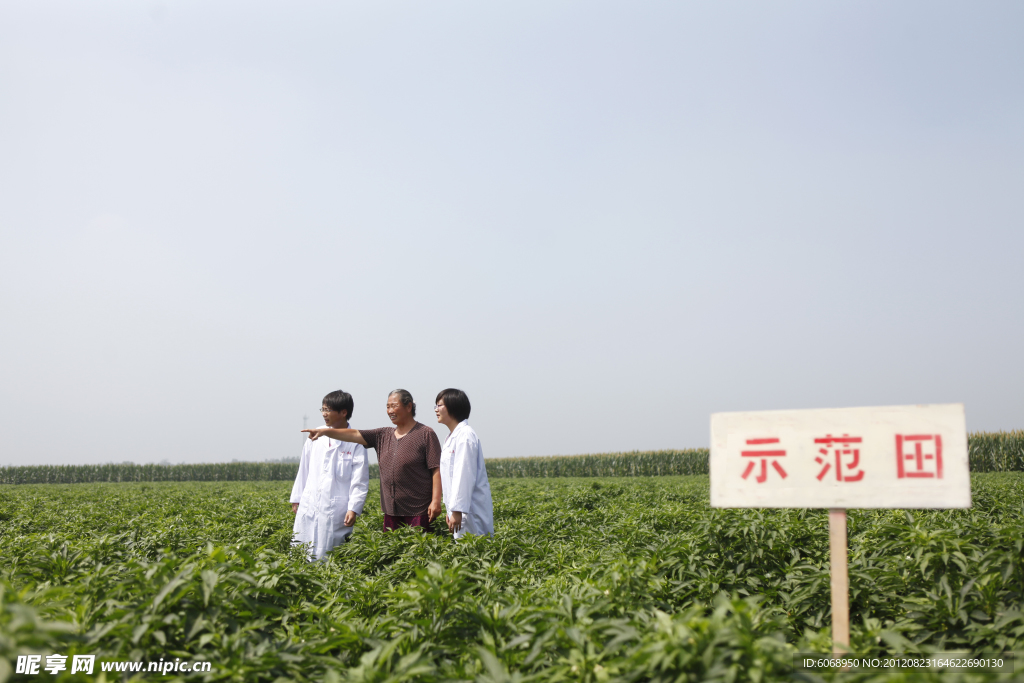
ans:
(624, 579)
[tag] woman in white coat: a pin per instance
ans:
(464, 485)
(330, 487)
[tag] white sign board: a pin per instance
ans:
(885, 457)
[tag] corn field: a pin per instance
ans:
(989, 452)
(124, 472)
(633, 464)
(996, 451)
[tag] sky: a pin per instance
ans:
(604, 221)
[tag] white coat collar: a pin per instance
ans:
(455, 431)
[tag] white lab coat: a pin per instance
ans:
(464, 485)
(333, 478)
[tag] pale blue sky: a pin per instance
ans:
(604, 221)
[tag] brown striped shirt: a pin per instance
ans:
(406, 481)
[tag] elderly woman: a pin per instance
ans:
(467, 493)
(409, 455)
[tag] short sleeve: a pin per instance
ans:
(433, 449)
(372, 436)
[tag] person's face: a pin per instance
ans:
(441, 412)
(396, 411)
(332, 418)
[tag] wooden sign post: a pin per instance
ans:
(885, 457)
(840, 580)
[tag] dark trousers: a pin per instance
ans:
(393, 522)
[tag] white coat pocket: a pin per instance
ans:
(344, 465)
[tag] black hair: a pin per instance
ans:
(405, 397)
(457, 403)
(339, 401)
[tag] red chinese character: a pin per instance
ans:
(840, 446)
(926, 447)
(764, 455)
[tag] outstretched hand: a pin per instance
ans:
(314, 434)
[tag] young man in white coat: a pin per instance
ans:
(330, 488)
(464, 486)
